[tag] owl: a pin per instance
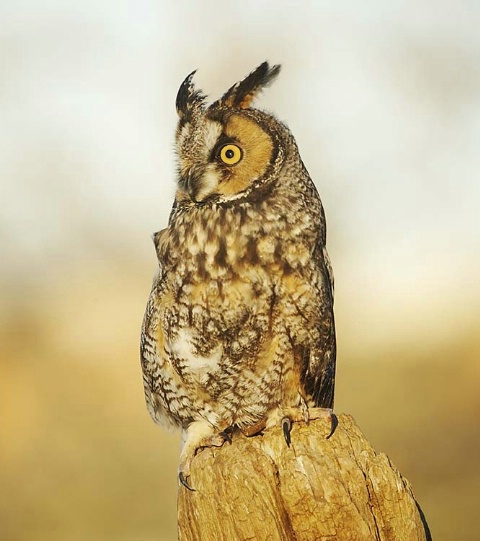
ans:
(238, 333)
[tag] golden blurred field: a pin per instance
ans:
(82, 460)
(384, 102)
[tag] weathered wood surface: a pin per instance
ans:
(337, 489)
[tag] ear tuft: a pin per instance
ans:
(241, 94)
(189, 100)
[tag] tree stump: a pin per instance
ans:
(317, 489)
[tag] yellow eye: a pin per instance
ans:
(230, 154)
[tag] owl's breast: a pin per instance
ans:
(213, 329)
(222, 271)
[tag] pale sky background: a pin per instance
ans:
(383, 98)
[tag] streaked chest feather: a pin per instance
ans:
(222, 272)
(249, 243)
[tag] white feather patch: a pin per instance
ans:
(209, 182)
(212, 131)
(200, 366)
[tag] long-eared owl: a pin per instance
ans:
(239, 328)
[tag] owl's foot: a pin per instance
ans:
(305, 415)
(183, 480)
(227, 434)
(198, 436)
(254, 430)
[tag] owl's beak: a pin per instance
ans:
(191, 183)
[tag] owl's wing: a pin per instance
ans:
(318, 374)
(148, 347)
(152, 342)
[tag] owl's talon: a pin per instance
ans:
(293, 415)
(227, 434)
(287, 427)
(333, 425)
(197, 436)
(226, 437)
(183, 480)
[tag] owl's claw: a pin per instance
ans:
(287, 427)
(333, 425)
(199, 435)
(227, 434)
(183, 480)
(292, 415)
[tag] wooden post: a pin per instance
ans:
(337, 489)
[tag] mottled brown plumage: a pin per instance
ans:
(239, 327)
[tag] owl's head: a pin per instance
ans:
(226, 150)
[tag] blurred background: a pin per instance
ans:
(384, 100)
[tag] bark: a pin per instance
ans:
(337, 489)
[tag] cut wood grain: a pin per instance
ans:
(317, 489)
